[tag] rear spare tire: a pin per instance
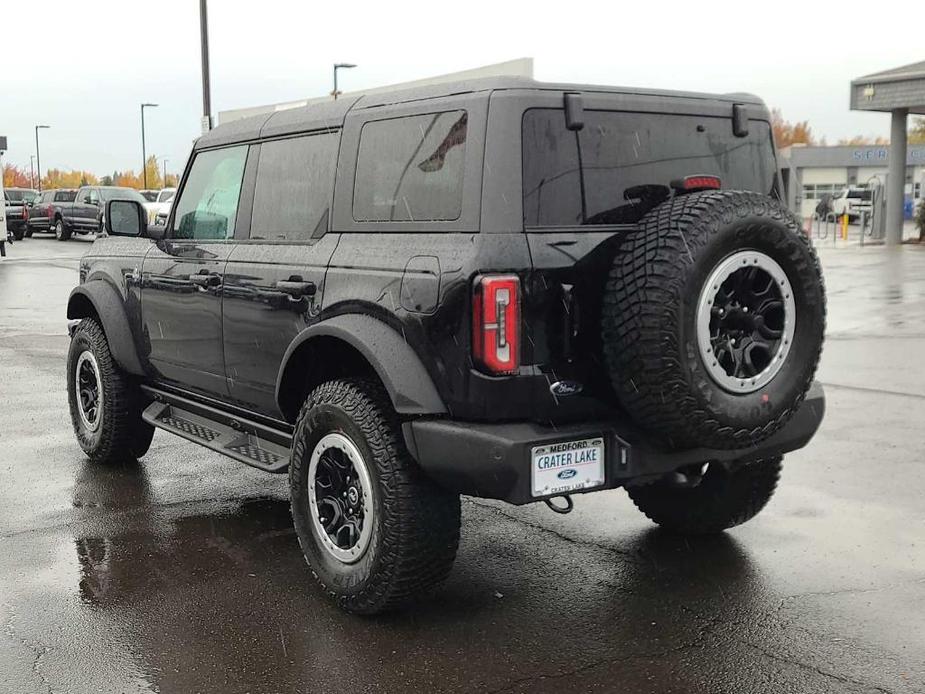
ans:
(713, 319)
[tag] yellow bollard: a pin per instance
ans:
(844, 227)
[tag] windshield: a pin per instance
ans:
(149, 195)
(166, 195)
(122, 194)
(621, 164)
(20, 195)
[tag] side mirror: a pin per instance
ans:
(125, 218)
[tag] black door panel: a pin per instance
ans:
(268, 301)
(182, 312)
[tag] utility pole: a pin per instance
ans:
(204, 46)
(164, 179)
(32, 170)
(144, 156)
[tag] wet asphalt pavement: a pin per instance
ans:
(182, 573)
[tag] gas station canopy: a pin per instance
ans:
(900, 91)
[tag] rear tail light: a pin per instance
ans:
(690, 184)
(496, 323)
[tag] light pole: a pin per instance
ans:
(204, 48)
(38, 156)
(32, 170)
(144, 157)
(164, 180)
(338, 66)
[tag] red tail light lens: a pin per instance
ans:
(700, 182)
(496, 323)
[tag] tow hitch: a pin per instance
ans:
(566, 508)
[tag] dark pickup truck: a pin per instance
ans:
(15, 201)
(46, 209)
(85, 215)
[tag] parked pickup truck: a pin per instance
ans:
(85, 215)
(15, 201)
(45, 209)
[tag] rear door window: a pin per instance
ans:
(621, 164)
(208, 204)
(65, 196)
(411, 168)
(295, 182)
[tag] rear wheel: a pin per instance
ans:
(105, 405)
(18, 234)
(726, 496)
(62, 233)
(28, 232)
(375, 532)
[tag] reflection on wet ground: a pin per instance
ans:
(181, 573)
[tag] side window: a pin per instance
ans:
(411, 168)
(85, 197)
(295, 181)
(209, 202)
(94, 196)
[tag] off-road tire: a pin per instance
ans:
(649, 319)
(121, 434)
(725, 497)
(28, 232)
(416, 524)
(61, 230)
(19, 234)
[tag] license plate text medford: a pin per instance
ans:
(567, 466)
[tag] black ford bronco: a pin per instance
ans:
(499, 288)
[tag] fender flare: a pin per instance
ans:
(108, 306)
(407, 382)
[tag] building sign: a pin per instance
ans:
(883, 153)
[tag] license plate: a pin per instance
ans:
(559, 468)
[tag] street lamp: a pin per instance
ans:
(38, 156)
(144, 157)
(204, 51)
(338, 66)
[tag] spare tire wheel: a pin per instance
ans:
(713, 319)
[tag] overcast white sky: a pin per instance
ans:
(84, 67)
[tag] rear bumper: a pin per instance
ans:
(493, 460)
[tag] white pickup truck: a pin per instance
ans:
(853, 201)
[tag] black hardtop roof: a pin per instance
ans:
(331, 114)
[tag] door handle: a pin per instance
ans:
(296, 289)
(205, 279)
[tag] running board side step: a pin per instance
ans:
(244, 440)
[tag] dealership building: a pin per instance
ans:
(812, 172)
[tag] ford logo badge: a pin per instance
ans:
(567, 474)
(562, 389)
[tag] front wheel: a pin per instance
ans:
(375, 532)
(18, 234)
(105, 405)
(726, 496)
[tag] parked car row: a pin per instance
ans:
(68, 211)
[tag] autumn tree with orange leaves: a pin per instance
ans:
(786, 133)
